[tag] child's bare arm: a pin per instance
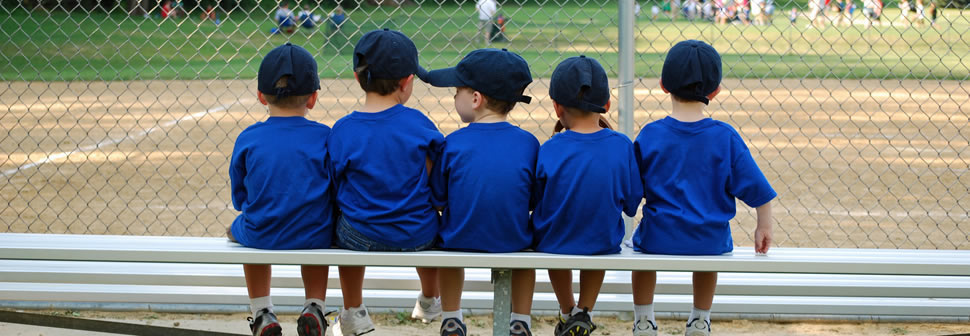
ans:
(762, 235)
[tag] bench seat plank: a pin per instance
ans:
(220, 251)
(399, 278)
(403, 300)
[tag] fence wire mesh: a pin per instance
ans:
(120, 116)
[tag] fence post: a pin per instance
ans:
(625, 77)
(625, 74)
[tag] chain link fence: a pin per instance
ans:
(119, 117)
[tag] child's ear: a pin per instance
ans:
(559, 109)
(714, 94)
(310, 103)
(262, 100)
(478, 100)
(662, 86)
(607, 106)
(406, 82)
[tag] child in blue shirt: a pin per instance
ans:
(282, 185)
(693, 168)
(484, 176)
(586, 177)
(381, 156)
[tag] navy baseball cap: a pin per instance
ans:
(500, 74)
(387, 53)
(580, 82)
(288, 60)
(692, 70)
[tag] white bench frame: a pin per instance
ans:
(155, 249)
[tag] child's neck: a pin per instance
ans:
(286, 112)
(687, 111)
(486, 116)
(587, 124)
(374, 102)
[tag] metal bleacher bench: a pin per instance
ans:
(167, 270)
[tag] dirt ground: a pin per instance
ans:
(398, 325)
(856, 163)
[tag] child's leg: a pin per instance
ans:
(644, 285)
(562, 285)
(352, 285)
(590, 282)
(428, 306)
(312, 320)
(429, 281)
(315, 281)
(704, 285)
(523, 287)
(258, 278)
(452, 281)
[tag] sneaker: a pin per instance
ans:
(312, 321)
(644, 328)
(426, 311)
(579, 324)
(353, 322)
(560, 326)
(698, 327)
(453, 327)
(265, 324)
(519, 328)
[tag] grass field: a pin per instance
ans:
(78, 46)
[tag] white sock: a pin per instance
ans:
(697, 313)
(425, 299)
(317, 301)
(563, 316)
(524, 318)
(575, 310)
(451, 314)
(644, 312)
(352, 310)
(257, 304)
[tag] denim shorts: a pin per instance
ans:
(351, 239)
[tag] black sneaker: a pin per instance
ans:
(312, 321)
(453, 327)
(579, 324)
(265, 324)
(560, 326)
(519, 328)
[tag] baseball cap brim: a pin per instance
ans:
(447, 77)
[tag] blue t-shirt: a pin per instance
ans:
(692, 172)
(584, 182)
(281, 182)
(484, 180)
(380, 168)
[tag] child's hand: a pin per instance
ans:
(762, 239)
(762, 235)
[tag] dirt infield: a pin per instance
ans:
(857, 163)
(397, 325)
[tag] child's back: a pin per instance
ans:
(584, 183)
(281, 183)
(379, 159)
(486, 175)
(692, 173)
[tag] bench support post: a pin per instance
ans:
(501, 301)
